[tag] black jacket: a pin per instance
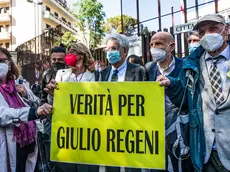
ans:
(47, 76)
(133, 73)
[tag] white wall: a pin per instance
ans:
(23, 16)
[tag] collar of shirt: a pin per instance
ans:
(121, 69)
(83, 77)
(222, 64)
(169, 69)
(224, 53)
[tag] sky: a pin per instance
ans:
(149, 9)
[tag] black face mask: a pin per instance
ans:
(57, 66)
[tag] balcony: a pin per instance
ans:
(4, 2)
(4, 36)
(4, 17)
(61, 4)
(50, 16)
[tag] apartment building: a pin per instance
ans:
(5, 23)
(23, 20)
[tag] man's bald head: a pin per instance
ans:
(164, 41)
(164, 36)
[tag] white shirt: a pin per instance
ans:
(121, 72)
(222, 64)
(165, 72)
(83, 77)
(168, 70)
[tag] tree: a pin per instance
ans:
(67, 38)
(90, 18)
(115, 23)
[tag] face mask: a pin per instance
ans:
(212, 42)
(192, 47)
(158, 54)
(71, 59)
(3, 69)
(57, 66)
(113, 56)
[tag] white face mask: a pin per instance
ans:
(158, 54)
(3, 69)
(213, 41)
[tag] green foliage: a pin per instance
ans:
(90, 18)
(66, 39)
(115, 23)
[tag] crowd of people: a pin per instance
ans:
(196, 87)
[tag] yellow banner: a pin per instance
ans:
(112, 124)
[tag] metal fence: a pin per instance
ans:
(146, 35)
(32, 54)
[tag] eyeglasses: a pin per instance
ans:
(57, 59)
(111, 49)
(4, 61)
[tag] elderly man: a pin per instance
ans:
(205, 80)
(120, 70)
(164, 63)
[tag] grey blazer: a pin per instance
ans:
(133, 73)
(216, 118)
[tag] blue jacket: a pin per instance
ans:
(193, 102)
(153, 69)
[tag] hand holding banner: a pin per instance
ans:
(112, 124)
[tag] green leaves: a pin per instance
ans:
(115, 23)
(66, 39)
(90, 17)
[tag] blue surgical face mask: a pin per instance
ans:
(113, 56)
(192, 47)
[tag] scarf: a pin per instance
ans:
(25, 133)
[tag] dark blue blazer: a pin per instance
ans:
(153, 71)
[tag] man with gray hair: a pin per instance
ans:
(204, 82)
(119, 71)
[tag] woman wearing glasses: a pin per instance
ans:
(18, 150)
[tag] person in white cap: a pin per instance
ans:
(203, 86)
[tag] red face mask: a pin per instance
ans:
(71, 59)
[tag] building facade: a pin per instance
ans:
(23, 20)
(5, 23)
